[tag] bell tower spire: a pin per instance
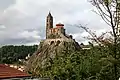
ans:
(49, 24)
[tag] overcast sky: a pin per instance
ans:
(23, 21)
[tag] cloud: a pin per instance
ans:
(6, 3)
(29, 35)
(2, 27)
(25, 19)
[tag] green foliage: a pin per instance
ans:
(11, 54)
(93, 64)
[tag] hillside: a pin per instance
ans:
(48, 51)
(11, 54)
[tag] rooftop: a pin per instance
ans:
(59, 24)
(7, 72)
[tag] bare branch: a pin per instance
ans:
(104, 18)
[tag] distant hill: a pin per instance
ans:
(11, 54)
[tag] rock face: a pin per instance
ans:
(48, 49)
(55, 43)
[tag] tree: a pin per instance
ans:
(101, 39)
(109, 12)
(92, 64)
(11, 54)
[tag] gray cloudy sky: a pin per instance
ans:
(23, 21)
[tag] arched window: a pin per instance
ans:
(52, 42)
(58, 42)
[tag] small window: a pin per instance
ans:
(58, 42)
(52, 42)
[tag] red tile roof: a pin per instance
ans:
(8, 72)
(59, 24)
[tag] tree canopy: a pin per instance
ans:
(11, 54)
